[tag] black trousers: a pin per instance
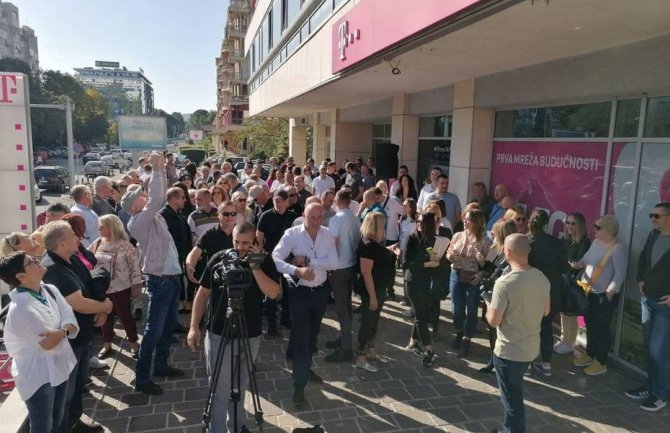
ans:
(369, 321)
(598, 318)
(422, 301)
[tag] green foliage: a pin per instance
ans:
(199, 118)
(268, 137)
(174, 121)
(196, 155)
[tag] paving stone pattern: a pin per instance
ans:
(403, 396)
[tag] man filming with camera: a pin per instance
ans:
(224, 266)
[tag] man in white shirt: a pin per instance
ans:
(323, 182)
(313, 249)
(83, 206)
(435, 172)
(346, 229)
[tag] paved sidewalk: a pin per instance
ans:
(402, 397)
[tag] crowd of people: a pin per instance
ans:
(324, 235)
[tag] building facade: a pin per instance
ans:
(567, 102)
(16, 41)
(232, 73)
(114, 81)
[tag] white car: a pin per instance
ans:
(116, 161)
(38, 193)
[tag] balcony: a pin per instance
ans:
(228, 99)
(239, 6)
(237, 78)
(236, 56)
(226, 47)
(236, 30)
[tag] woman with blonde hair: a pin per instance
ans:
(244, 213)
(467, 252)
(115, 253)
(604, 267)
(219, 195)
(377, 274)
(577, 243)
(517, 215)
(18, 241)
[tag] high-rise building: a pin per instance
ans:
(232, 73)
(113, 81)
(16, 41)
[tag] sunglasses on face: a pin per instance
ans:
(520, 219)
(655, 216)
(596, 227)
(570, 223)
(241, 200)
(228, 214)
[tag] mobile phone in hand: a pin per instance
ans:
(486, 295)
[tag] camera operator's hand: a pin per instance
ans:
(305, 273)
(299, 261)
(373, 303)
(193, 338)
(190, 274)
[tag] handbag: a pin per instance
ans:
(99, 283)
(576, 301)
(587, 283)
(465, 276)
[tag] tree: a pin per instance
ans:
(268, 136)
(199, 118)
(180, 124)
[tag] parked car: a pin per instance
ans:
(38, 193)
(115, 161)
(94, 169)
(52, 178)
(91, 156)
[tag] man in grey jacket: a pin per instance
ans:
(160, 262)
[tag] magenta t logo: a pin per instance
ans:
(8, 87)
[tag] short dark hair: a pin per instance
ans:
(442, 176)
(244, 227)
(350, 166)
(343, 196)
(403, 167)
(58, 208)
(479, 184)
(664, 205)
(11, 265)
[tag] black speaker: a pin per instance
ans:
(386, 160)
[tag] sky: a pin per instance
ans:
(174, 42)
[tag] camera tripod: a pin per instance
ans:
(239, 347)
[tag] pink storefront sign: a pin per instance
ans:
(373, 25)
(559, 177)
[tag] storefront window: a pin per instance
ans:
(320, 15)
(568, 121)
(627, 118)
(652, 188)
(434, 145)
(435, 126)
(657, 122)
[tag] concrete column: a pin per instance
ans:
(350, 140)
(471, 143)
(297, 142)
(405, 132)
(318, 140)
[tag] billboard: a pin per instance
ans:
(559, 177)
(142, 132)
(106, 64)
(195, 135)
(18, 210)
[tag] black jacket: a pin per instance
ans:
(655, 277)
(180, 231)
(549, 255)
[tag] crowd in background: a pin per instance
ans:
(138, 232)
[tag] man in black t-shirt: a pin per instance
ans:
(271, 227)
(265, 282)
(215, 239)
(71, 277)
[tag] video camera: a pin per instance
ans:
(233, 275)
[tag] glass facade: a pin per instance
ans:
(434, 145)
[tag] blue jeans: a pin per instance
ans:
(656, 324)
(307, 307)
(161, 322)
(510, 382)
(464, 304)
(46, 408)
(74, 405)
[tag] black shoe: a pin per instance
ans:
(391, 297)
(334, 344)
(137, 315)
(314, 378)
(487, 369)
(340, 356)
(272, 330)
(435, 335)
(458, 341)
(298, 397)
(316, 429)
(464, 350)
(87, 427)
(358, 310)
(149, 388)
(169, 372)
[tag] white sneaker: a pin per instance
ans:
(563, 348)
(366, 366)
(408, 313)
(97, 364)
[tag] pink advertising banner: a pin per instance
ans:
(372, 25)
(559, 177)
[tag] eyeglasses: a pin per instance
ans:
(217, 192)
(570, 223)
(241, 200)
(228, 214)
(31, 261)
(656, 216)
(596, 227)
(520, 219)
